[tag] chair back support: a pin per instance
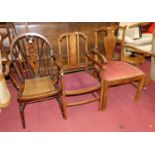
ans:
(32, 56)
(110, 39)
(72, 49)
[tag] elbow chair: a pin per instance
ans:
(76, 80)
(139, 45)
(34, 70)
(139, 41)
(118, 71)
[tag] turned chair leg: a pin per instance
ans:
(21, 108)
(64, 107)
(139, 89)
(105, 96)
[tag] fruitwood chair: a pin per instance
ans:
(35, 71)
(116, 72)
(76, 80)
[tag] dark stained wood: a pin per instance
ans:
(35, 71)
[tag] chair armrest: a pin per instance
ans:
(59, 63)
(139, 51)
(100, 70)
(60, 66)
(135, 24)
(95, 51)
(94, 61)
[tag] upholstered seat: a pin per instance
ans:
(80, 81)
(115, 70)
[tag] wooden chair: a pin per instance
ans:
(138, 42)
(9, 32)
(4, 55)
(116, 72)
(35, 71)
(4, 92)
(76, 80)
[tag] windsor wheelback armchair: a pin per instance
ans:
(76, 80)
(35, 71)
(115, 72)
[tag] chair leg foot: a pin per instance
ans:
(105, 96)
(140, 88)
(104, 107)
(64, 110)
(22, 115)
(101, 99)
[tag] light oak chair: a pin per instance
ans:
(116, 72)
(35, 71)
(76, 80)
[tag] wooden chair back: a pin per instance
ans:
(32, 57)
(109, 36)
(72, 50)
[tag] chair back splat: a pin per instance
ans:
(109, 38)
(72, 48)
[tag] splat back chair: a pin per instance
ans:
(116, 72)
(73, 52)
(35, 71)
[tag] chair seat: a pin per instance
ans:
(38, 88)
(115, 70)
(80, 82)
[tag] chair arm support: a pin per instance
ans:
(101, 67)
(94, 61)
(139, 51)
(59, 63)
(95, 51)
